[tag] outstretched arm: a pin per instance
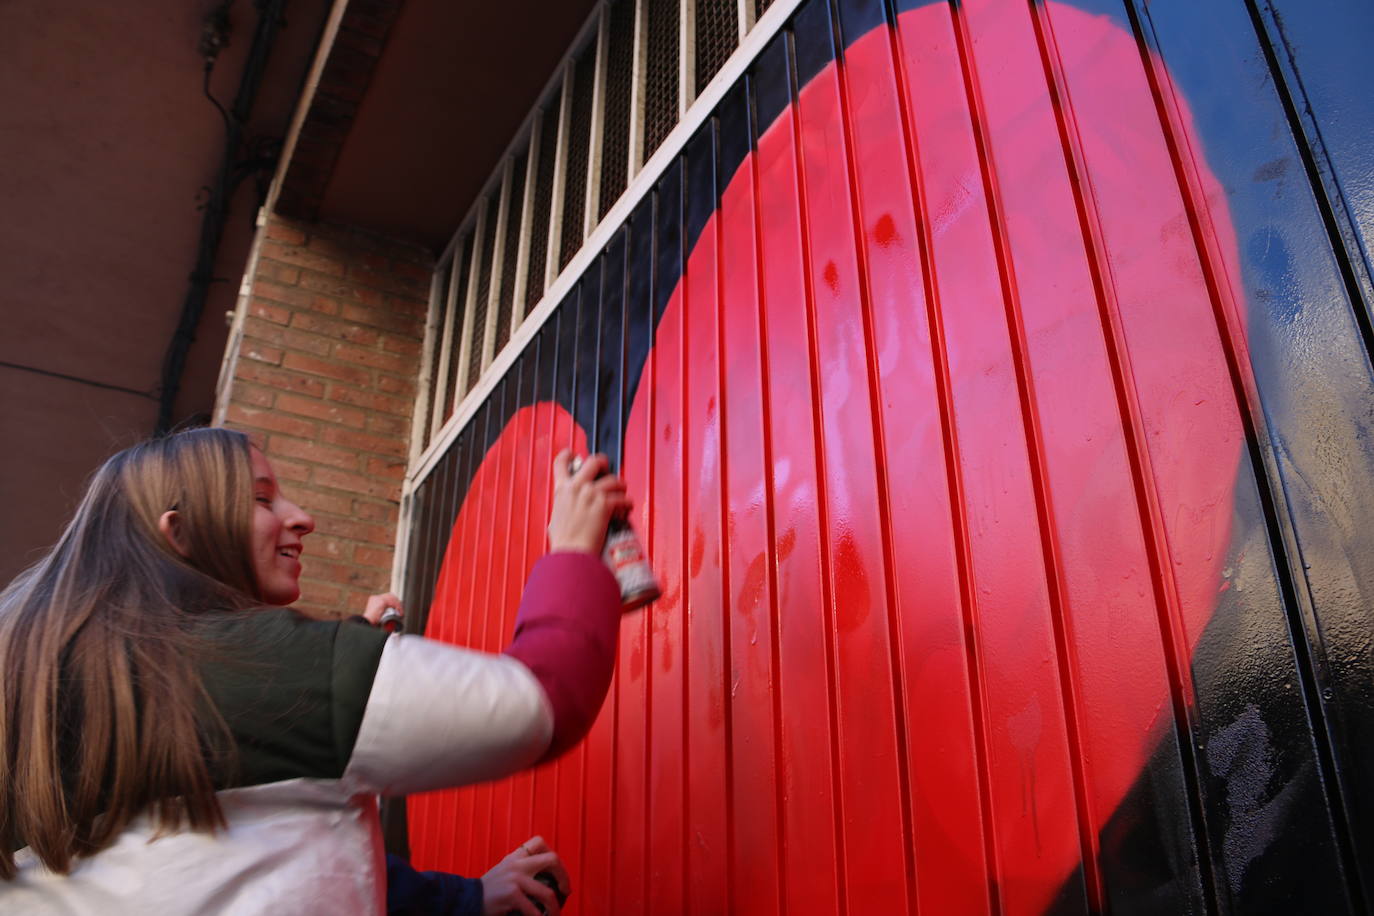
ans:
(441, 716)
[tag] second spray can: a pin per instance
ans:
(628, 562)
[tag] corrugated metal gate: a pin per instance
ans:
(993, 380)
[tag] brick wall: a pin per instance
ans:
(324, 382)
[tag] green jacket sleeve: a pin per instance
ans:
(292, 691)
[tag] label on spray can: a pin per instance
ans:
(624, 555)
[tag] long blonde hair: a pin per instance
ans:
(102, 711)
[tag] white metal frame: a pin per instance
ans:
(639, 70)
(465, 354)
(744, 14)
(497, 255)
(686, 57)
(560, 175)
(445, 344)
(596, 133)
(522, 250)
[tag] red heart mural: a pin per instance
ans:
(938, 483)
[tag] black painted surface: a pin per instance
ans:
(480, 442)
(548, 336)
(813, 40)
(668, 253)
(463, 469)
(859, 17)
(611, 353)
(639, 314)
(566, 336)
(1314, 424)
(529, 374)
(772, 92)
(588, 339)
(443, 488)
(732, 121)
(1321, 47)
(565, 365)
(443, 498)
(700, 192)
(419, 587)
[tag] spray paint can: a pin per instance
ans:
(391, 621)
(624, 554)
(547, 879)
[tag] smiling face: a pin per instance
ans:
(278, 527)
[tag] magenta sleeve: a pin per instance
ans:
(566, 634)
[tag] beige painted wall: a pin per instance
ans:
(105, 141)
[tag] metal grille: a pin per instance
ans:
(456, 332)
(638, 60)
(660, 90)
(615, 149)
(717, 31)
(514, 211)
(479, 319)
(488, 253)
(543, 200)
(579, 136)
(760, 7)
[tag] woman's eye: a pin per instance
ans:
(265, 500)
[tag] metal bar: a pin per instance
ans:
(522, 251)
(686, 57)
(229, 362)
(745, 15)
(639, 73)
(436, 410)
(560, 170)
(465, 354)
(592, 200)
(427, 361)
(498, 254)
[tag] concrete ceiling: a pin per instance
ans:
(108, 144)
(453, 84)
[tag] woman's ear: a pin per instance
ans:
(170, 526)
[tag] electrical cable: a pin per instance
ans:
(76, 378)
(205, 90)
(215, 210)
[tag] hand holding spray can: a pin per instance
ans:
(392, 621)
(624, 555)
(547, 879)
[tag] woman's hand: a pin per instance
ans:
(377, 605)
(510, 886)
(583, 503)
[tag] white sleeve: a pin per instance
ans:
(440, 716)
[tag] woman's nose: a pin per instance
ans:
(300, 520)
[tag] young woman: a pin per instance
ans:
(172, 740)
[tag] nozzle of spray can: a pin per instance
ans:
(628, 562)
(391, 621)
